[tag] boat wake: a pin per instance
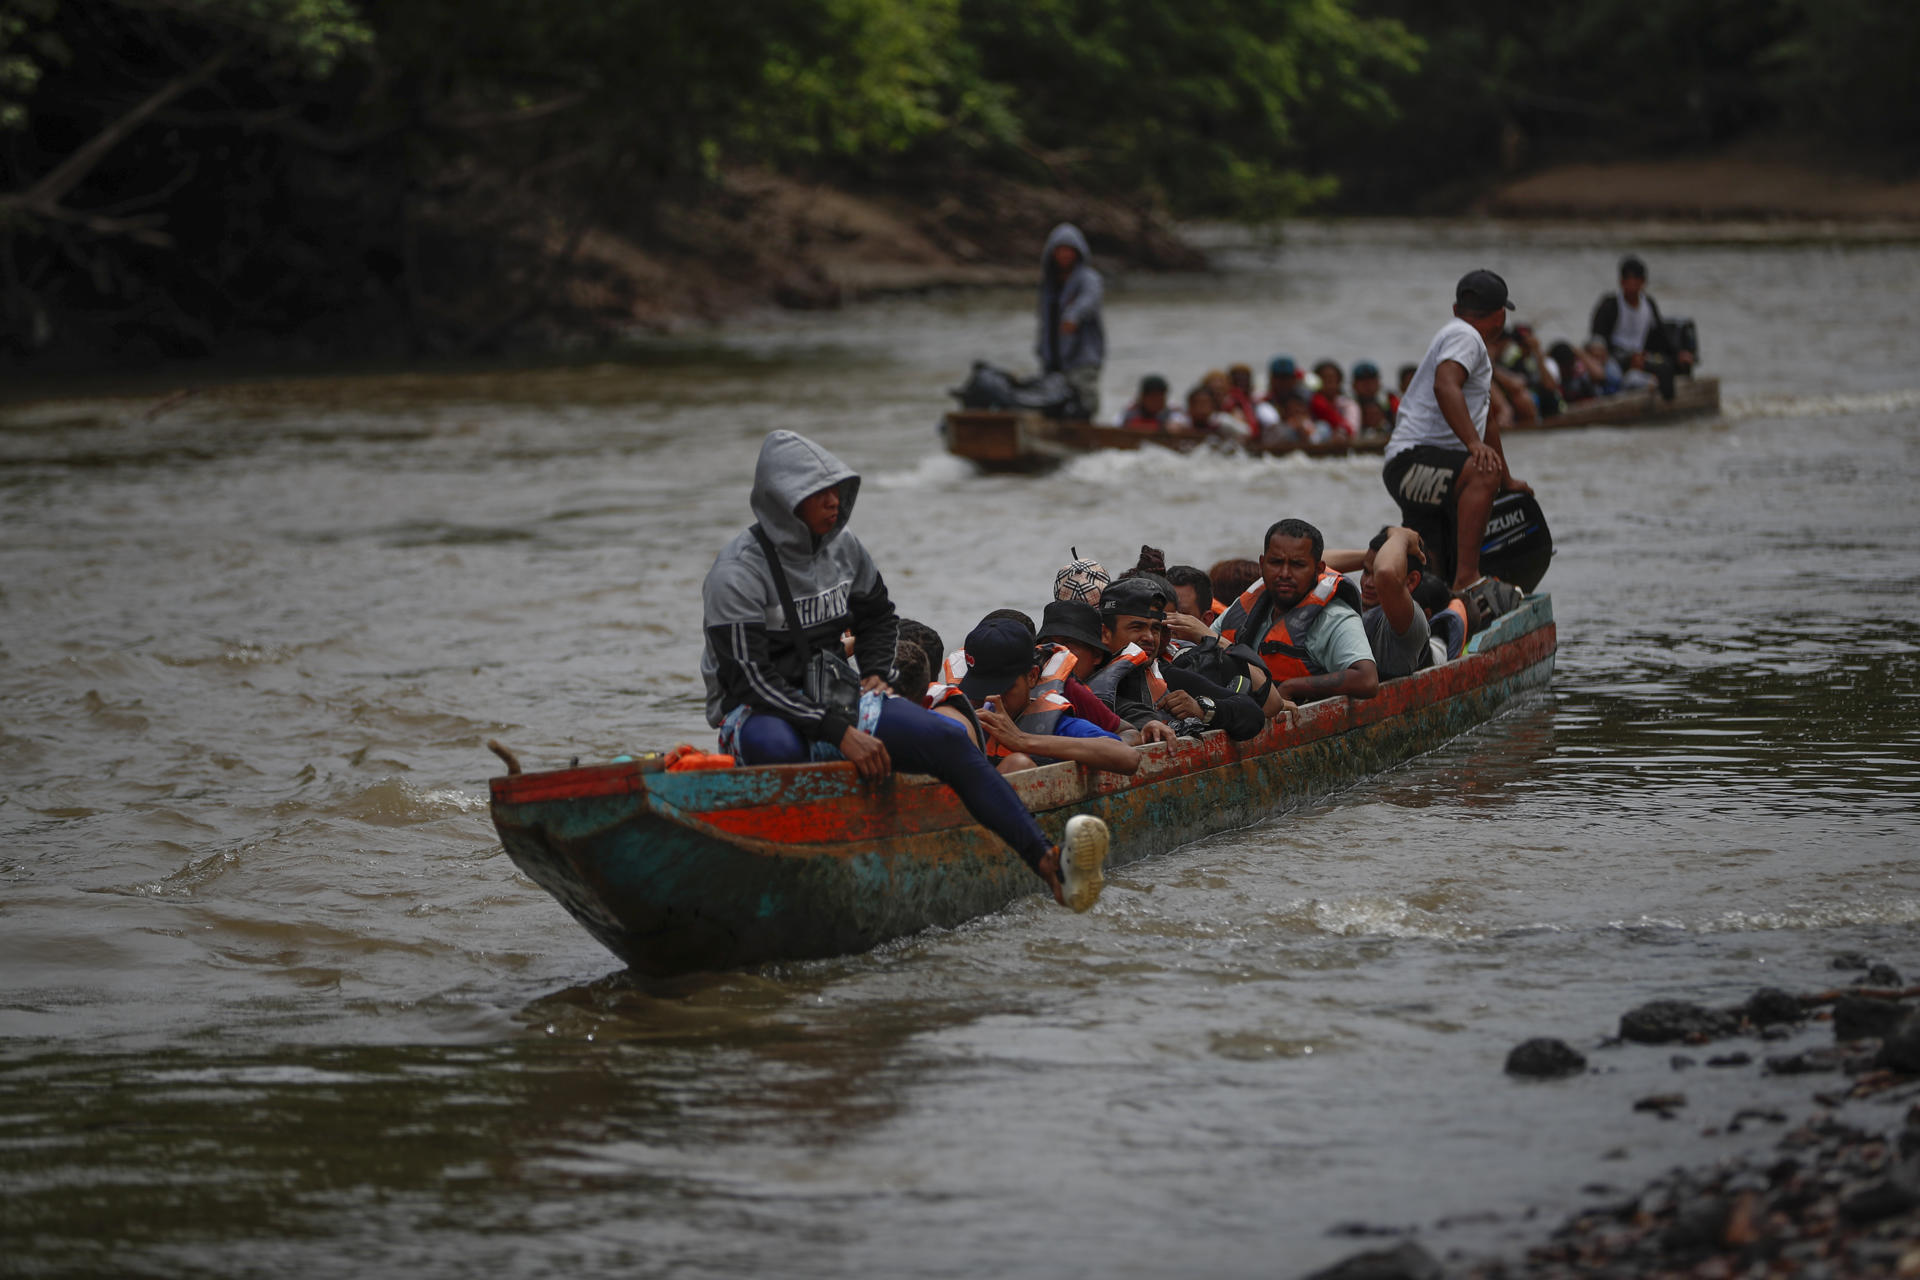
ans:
(1822, 406)
(1207, 470)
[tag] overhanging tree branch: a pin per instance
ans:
(43, 197)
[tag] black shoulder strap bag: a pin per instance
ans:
(830, 680)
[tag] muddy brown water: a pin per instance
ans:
(274, 1001)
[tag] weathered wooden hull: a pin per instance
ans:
(1692, 398)
(1024, 442)
(995, 440)
(704, 870)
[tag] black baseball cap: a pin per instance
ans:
(999, 651)
(1481, 291)
(1133, 598)
(1072, 620)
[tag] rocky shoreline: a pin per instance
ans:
(1835, 1198)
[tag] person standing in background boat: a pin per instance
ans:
(1072, 339)
(1444, 456)
(783, 591)
(1628, 321)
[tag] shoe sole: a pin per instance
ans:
(1083, 861)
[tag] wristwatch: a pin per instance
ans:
(1207, 708)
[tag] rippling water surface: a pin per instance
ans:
(274, 1001)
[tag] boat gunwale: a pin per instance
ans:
(1069, 783)
(1036, 441)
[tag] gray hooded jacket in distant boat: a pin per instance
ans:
(1076, 298)
(752, 656)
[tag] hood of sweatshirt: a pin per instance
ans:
(1065, 233)
(792, 469)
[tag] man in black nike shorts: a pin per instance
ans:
(1445, 451)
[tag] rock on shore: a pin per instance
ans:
(1837, 1198)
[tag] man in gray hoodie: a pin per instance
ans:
(755, 661)
(1072, 340)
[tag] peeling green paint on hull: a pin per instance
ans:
(704, 870)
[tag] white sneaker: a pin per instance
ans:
(1083, 861)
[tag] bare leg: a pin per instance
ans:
(1477, 491)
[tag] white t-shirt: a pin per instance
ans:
(1631, 329)
(1420, 420)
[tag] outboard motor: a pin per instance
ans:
(990, 387)
(1517, 548)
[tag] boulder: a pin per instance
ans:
(1770, 1005)
(1878, 975)
(1545, 1058)
(1405, 1261)
(1664, 1021)
(1698, 1228)
(1900, 1046)
(1861, 1017)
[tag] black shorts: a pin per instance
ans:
(1422, 478)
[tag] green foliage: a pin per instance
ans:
(1191, 100)
(27, 48)
(1512, 83)
(313, 35)
(1846, 70)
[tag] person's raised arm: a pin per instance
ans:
(1390, 578)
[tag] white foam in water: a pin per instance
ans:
(1833, 915)
(934, 471)
(1829, 406)
(462, 801)
(1204, 469)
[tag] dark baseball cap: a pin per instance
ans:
(999, 651)
(1365, 369)
(1481, 291)
(1282, 367)
(1133, 598)
(1072, 620)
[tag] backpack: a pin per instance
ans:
(1225, 665)
(1486, 600)
(989, 386)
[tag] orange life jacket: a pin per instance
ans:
(945, 691)
(1280, 639)
(1106, 681)
(1045, 704)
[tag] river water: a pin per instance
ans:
(273, 1001)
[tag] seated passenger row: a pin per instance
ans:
(1296, 409)
(1163, 652)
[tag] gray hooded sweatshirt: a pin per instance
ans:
(1075, 298)
(752, 654)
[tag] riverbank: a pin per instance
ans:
(493, 271)
(1767, 180)
(1837, 1195)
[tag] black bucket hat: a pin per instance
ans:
(1072, 620)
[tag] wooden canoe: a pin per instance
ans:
(1692, 398)
(1002, 440)
(706, 870)
(998, 440)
